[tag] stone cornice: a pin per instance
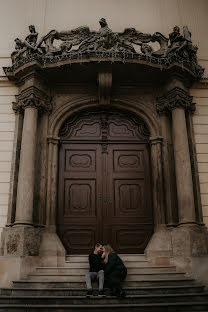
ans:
(32, 97)
(83, 45)
(175, 98)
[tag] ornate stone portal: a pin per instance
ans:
(64, 73)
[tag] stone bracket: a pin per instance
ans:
(105, 84)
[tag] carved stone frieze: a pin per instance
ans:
(32, 97)
(81, 42)
(174, 98)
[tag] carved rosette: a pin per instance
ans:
(32, 97)
(174, 98)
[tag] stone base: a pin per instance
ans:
(52, 251)
(24, 248)
(184, 246)
(14, 268)
(183, 240)
(21, 241)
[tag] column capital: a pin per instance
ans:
(53, 140)
(32, 97)
(175, 98)
(156, 140)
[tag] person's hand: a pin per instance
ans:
(103, 255)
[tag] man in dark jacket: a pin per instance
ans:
(96, 272)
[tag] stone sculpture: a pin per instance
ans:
(130, 43)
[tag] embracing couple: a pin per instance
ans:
(106, 266)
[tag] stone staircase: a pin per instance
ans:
(148, 288)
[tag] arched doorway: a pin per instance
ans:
(104, 190)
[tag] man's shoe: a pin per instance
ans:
(101, 294)
(89, 293)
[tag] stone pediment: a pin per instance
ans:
(81, 45)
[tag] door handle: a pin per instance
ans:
(110, 199)
(99, 198)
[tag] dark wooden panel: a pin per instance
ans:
(104, 192)
(76, 205)
(79, 208)
(130, 219)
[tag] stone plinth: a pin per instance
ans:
(22, 241)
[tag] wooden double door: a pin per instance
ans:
(104, 192)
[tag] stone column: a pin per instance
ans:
(186, 207)
(157, 181)
(52, 182)
(15, 168)
(52, 250)
(29, 101)
(170, 194)
(22, 238)
(25, 189)
(176, 102)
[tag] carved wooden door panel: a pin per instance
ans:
(80, 201)
(104, 183)
(129, 216)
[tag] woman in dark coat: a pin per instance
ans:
(114, 271)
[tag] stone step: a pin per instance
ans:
(184, 289)
(124, 257)
(128, 264)
(83, 300)
(81, 270)
(76, 276)
(156, 307)
(66, 284)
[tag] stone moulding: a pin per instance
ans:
(32, 97)
(82, 45)
(174, 98)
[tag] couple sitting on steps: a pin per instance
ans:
(106, 266)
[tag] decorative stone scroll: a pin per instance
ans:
(32, 97)
(176, 97)
(130, 44)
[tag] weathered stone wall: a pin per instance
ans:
(144, 15)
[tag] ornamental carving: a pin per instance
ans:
(175, 98)
(81, 42)
(32, 97)
(104, 125)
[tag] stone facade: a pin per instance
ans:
(178, 134)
